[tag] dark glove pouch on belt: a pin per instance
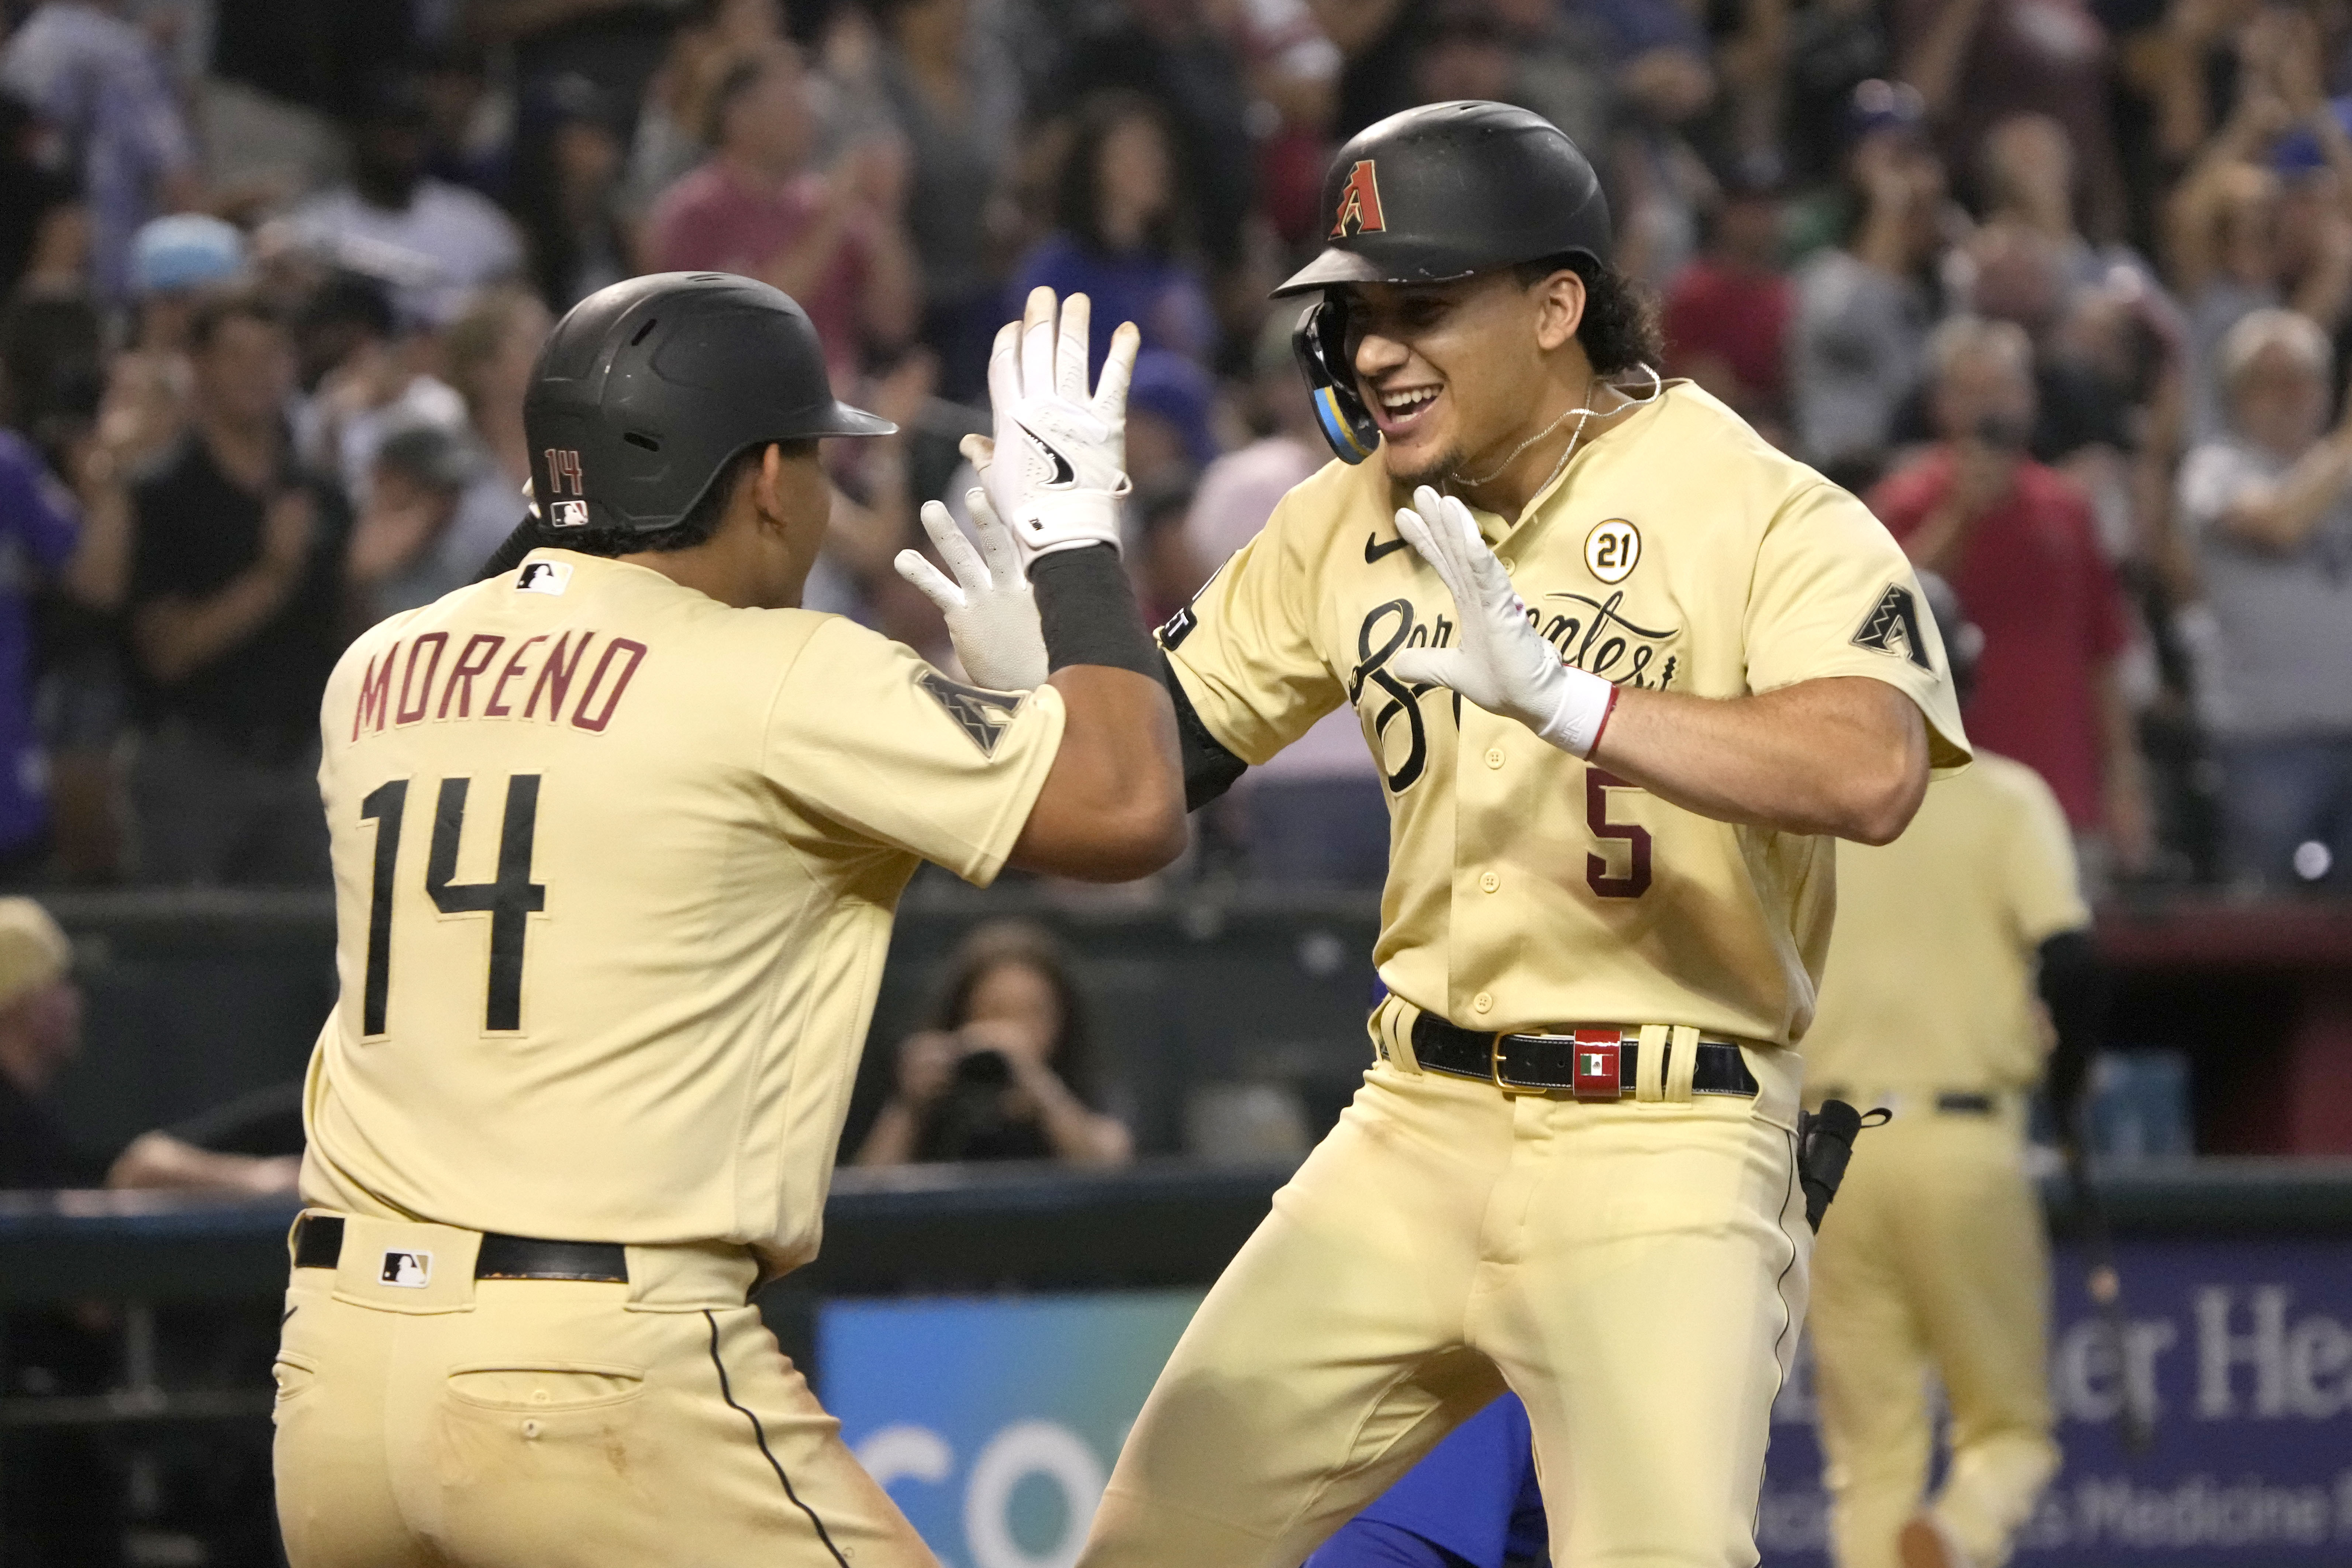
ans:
(1824, 1144)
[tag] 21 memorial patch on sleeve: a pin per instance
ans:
(983, 715)
(1893, 628)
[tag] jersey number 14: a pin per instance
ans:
(509, 901)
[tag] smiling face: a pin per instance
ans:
(1456, 375)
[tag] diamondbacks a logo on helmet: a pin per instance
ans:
(1360, 204)
(983, 715)
(1893, 628)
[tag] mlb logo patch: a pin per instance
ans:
(544, 578)
(1597, 1073)
(569, 514)
(409, 1270)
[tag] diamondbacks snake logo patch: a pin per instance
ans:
(1893, 628)
(983, 715)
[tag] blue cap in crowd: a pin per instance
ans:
(1175, 389)
(185, 250)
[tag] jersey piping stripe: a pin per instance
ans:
(760, 1433)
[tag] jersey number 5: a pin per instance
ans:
(1598, 782)
(509, 901)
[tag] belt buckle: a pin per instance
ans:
(1494, 1070)
(1598, 1065)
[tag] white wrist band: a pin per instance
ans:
(1585, 701)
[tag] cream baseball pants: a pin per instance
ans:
(1635, 1270)
(445, 1422)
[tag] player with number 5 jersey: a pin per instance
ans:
(1627, 672)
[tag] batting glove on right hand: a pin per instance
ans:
(991, 610)
(1502, 663)
(1058, 468)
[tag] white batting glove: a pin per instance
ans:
(1058, 465)
(1501, 663)
(992, 614)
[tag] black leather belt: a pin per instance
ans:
(1592, 1064)
(319, 1244)
(1949, 1102)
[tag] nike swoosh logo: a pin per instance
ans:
(1064, 476)
(1374, 549)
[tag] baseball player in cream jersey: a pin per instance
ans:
(1627, 672)
(1934, 1255)
(617, 835)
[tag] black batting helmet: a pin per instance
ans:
(647, 388)
(1426, 196)
(1450, 189)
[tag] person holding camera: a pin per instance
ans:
(2017, 542)
(1004, 1073)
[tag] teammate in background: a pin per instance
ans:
(1679, 662)
(617, 838)
(1934, 1255)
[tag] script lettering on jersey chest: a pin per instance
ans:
(548, 677)
(1592, 625)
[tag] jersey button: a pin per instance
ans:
(1482, 1003)
(1489, 881)
(1494, 756)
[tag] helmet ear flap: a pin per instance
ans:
(1320, 344)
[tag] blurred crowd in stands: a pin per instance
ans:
(2063, 287)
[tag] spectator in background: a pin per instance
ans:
(830, 240)
(434, 241)
(956, 97)
(234, 618)
(2017, 543)
(674, 120)
(1835, 45)
(489, 352)
(60, 1491)
(1294, 78)
(404, 551)
(44, 225)
(39, 528)
(1313, 815)
(2269, 507)
(1863, 308)
(176, 262)
(1006, 1072)
(1119, 220)
(1976, 62)
(1726, 313)
(99, 82)
(372, 379)
(2226, 224)
(1173, 53)
(567, 193)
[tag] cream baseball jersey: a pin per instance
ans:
(1526, 887)
(614, 870)
(1983, 876)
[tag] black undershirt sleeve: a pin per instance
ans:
(2073, 985)
(1210, 770)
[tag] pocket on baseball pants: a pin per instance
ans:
(546, 1386)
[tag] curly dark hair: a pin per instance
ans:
(1619, 331)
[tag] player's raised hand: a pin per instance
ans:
(1501, 663)
(991, 615)
(1057, 464)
